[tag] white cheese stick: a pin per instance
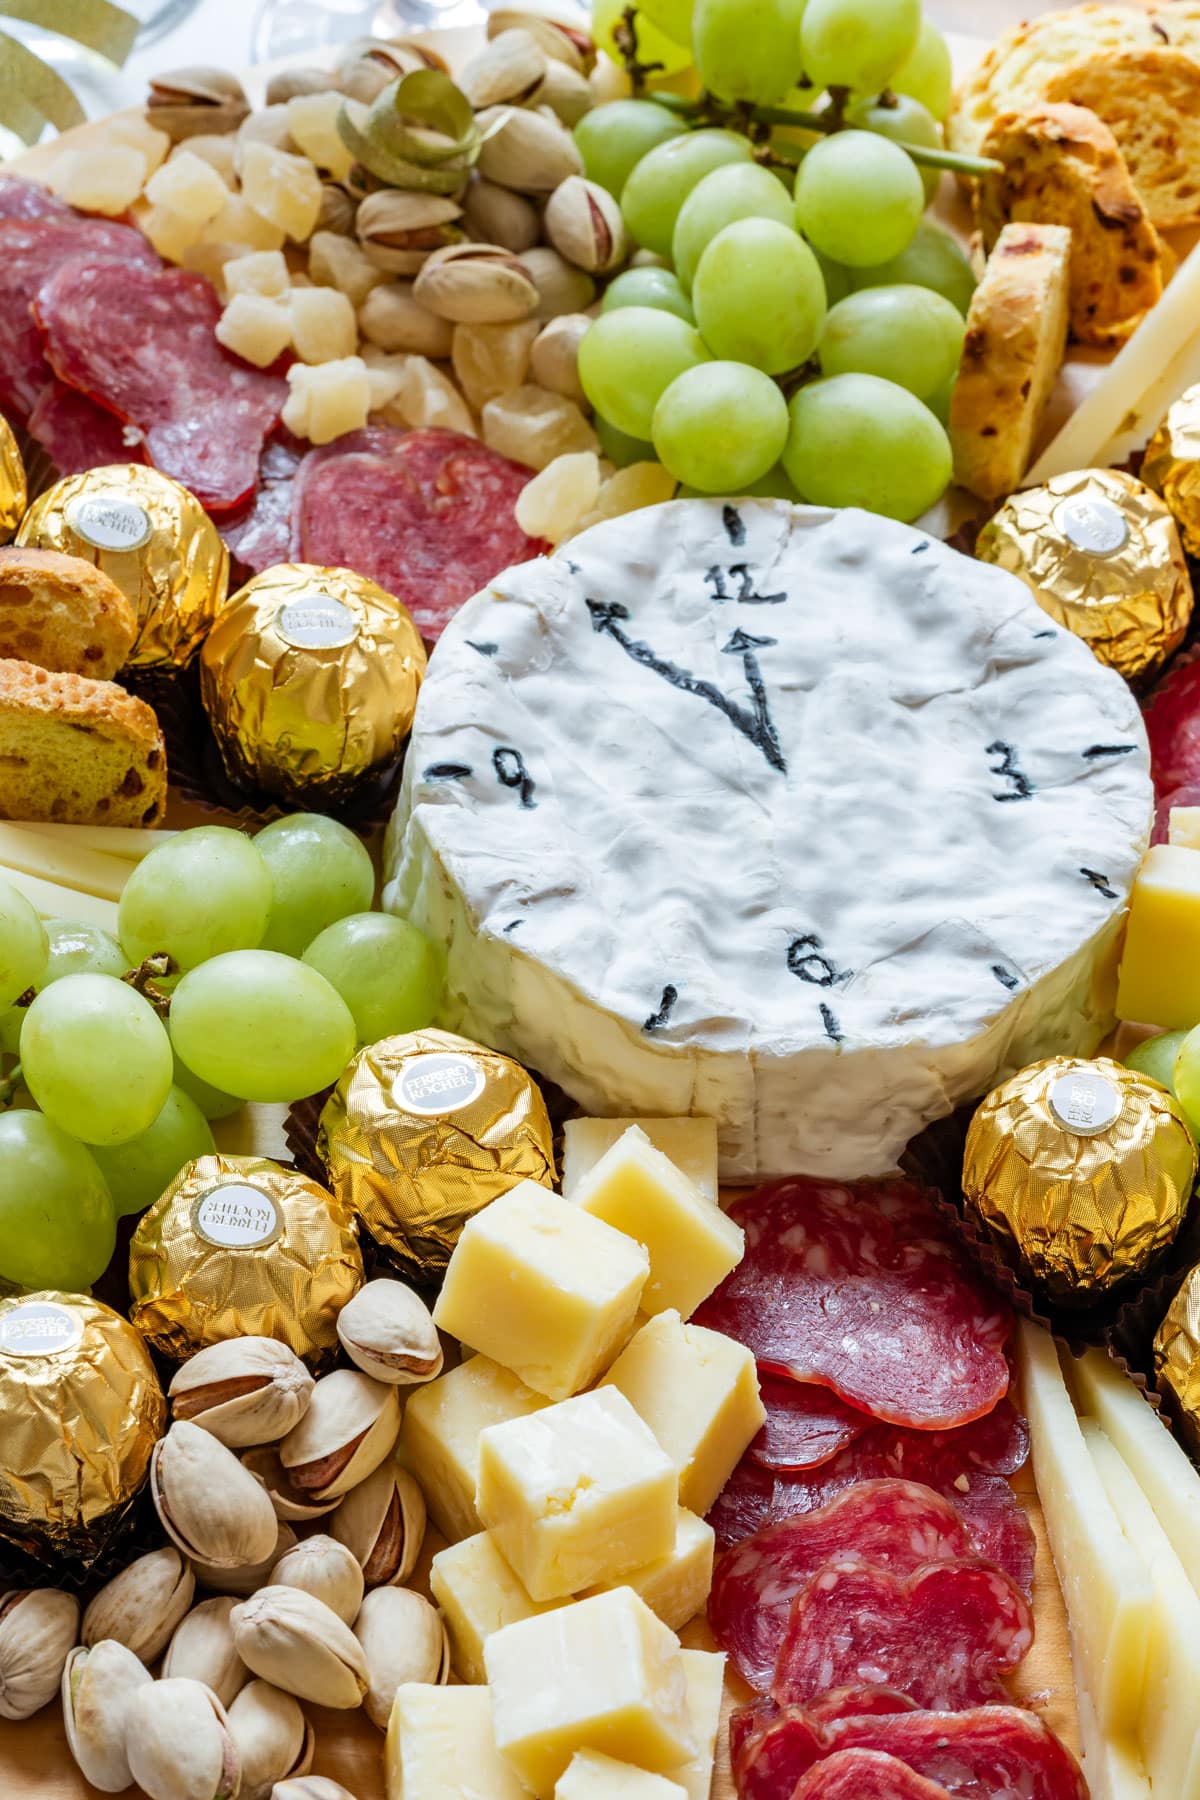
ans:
(1113, 1765)
(55, 902)
(129, 842)
(67, 864)
(1107, 1590)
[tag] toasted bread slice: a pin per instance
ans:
(1150, 101)
(1012, 351)
(63, 613)
(80, 751)
(1062, 166)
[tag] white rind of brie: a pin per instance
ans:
(795, 818)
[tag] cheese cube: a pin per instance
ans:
(675, 1587)
(283, 188)
(602, 1675)
(543, 1288)
(262, 272)
(254, 328)
(105, 178)
(327, 399)
(705, 1673)
(387, 375)
(691, 1145)
(135, 131)
(217, 149)
(577, 1494)
(1183, 827)
(171, 233)
(237, 223)
(428, 399)
(478, 1593)
(190, 186)
(691, 1243)
(340, 262)
(697, 1390)
(324, 328)
(591, 1776)
(441, 1746)
(439, 1438)
(312, 127)
(1159, 981)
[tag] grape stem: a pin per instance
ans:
(626, 40)
(9, 1087)
(145, 978)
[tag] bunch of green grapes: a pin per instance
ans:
(277, 970)
(793, 322)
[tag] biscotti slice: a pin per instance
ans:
(1062, 166)
(63, 613)
(1013, 348)
(1150, 101)
(80, 751)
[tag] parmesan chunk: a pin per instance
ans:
(255, 328)
(327, 399)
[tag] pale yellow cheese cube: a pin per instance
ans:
(387, 375)
(341, 262)
(324, 328)
(675, 1587)
(428, 399)
(478, 1593)
(697, 1390)
(105, 178)
(171, 233)
(312, 126)
(326, 400)
(190, 186)
(441, 1746)
(283, 188)
(592, 1776)
(543, 1288)
(238, 224)
(705, 1672)
(254, 328)
(1183, 827)
(136, 132)
(691, 1243)
(439, 1438)
(262, 272)
(602, 1675)
(577, 1494)
(217, 149)
(691, 1144)
(1159, 980)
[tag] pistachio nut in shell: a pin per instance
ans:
(350, 1428)
(311, 1787)
(37, 1632)
(289, 1503)
(564, 43)
(554, 357)
(291, 84)
(566, 92)
(97, 1686)
(399, 231)
(562, 288)
(584, 224)
(495, 215)
(323, 1567)
(403, 1639)
(247, 1578)
(528, 151)
(202, 1649)
(475, 284)
(179, 1743)
(393, 320)
(294, 1641)
(388, 1331)
(382, 1523)
(141, 1606)
(208, 1504)
(273, 1738)
(191, 102)
(510, 68)
(246, 1390)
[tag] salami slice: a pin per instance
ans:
(858, 1703)
(21, 199)
(141, 343)
(891, 1525)
(426, 514)
(866, 1775)
(997, 1525)
(1173, 728)
(806, 1425)
(858, 1289)
(259, 534)
(76, 434)
(946, 1634)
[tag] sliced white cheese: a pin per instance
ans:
(1113, 1765)
(56, 902)
(70, 865)
(130, 842)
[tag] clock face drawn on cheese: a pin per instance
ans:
(795, 818)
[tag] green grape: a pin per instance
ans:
(856, 440)
(23, 945)
(653, 45)
(774, 485)
(720, 427)
(671, 16)
(1185, 1078)
(926, 72)
(666, 175)
(139, 1171)
(619, 447)
(213, 1103)
(195, 896)
(934, 260)
(75, 949)
(319, 872)
(836, 279)
(909, 335)
(858, 198)
(939, 401)
(628, 357)
(905, 121)
(389, 974)
(262, 1026)
(738, 191)
(1155, 1057)
(57, 1225)
(747, 58)
(96, 1058)
(612, 139)
(759, 296)
(658, 288)
(857, 43)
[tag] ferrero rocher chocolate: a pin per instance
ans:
(425, 1129)
(1102, 556)
(82, 1410)
(156, 542)
(1177, 1359)
(13, 493)
(310, 680)
(240, 1246)
(1080, 1172)
(1171, 466)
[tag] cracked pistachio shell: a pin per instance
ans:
(323, 1567)
(311, 1787)
(196, 101)
(511, 67)
(249, 1577)
(202, 1649)
(584, 224)
(400, 231)
(388, 1331)
(295, 1641)
(289, 1503)
(382, 1523)
(403, 1639)
(247, 1390)
(37, 1631)
(568, 44)
(351, 1426)
(208, 1503)
(141, 1606)
(528, 151)
(97, 1686)
(273, 1738)
(475, 284)
(179, 1743)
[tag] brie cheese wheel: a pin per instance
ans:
(793, 818)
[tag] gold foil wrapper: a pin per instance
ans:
(1102, 556)
(423, 1131)
(14, 495)
(1171, 466)
(1177, 1359)
(82, 1410)
(310, 679)
(1080, 1172)
(156, 542)
(239, 1245)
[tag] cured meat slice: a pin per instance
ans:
(805, 1426)
(426, 514)
(770, 1761)
(76, 434)
(141, 343)
(858, 1703)
(866, 1775)
(1173, 728)
(859, 1289)
(998, 1526)
(31, 250)
(21, 199)
(1188, 795)
(946, 1634)
(891, 1525)
(746, 1721)
(259, 535)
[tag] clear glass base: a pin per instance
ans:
(292, 28)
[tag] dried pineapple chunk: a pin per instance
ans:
(255, 328)
(532, 426)
(106, 179)
(428, 398)
(172, 234)
(339, 262)
(261, 272)
(136, 132)
(490, 360)
(312, 122)
(327, 399)
(628, 490)
(283, 188)
(324, 328)
(218, 151)
(239, 226)
(553, 503)
(188, 186)
(387, 376)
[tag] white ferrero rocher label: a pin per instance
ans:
(1085, 1102)
(110, 521)
(1094, 525)
(316, 622)
(235, 1216)
(38, 1328)
(439, 1082)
